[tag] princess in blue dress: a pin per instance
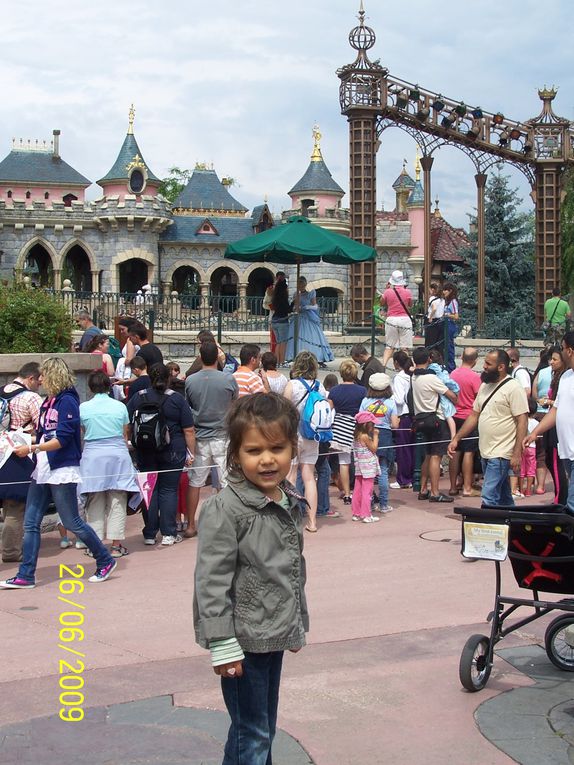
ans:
(311, 336)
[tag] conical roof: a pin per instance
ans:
(204, 191)
(317, 176)
(417, 196)
(130, 156)
(404, 181)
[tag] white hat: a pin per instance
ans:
(379, 381)
(139, 292)
(397, 279)
(146, 287)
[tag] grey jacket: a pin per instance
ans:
(250, 571)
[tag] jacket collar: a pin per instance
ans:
(250, 495)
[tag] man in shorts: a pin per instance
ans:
(427, 389)
(210, 393)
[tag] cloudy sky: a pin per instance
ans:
(240, 84)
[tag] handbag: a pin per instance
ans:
(547, 324)
(426, 423)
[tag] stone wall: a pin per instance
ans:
(81, 365)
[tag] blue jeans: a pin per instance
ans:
(65, 498)
(386, 456)
(162, 511)
(251, 701)
(323, 470)
(568, 465)
(496, 485)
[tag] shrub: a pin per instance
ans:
(32, 321)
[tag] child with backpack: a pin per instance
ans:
(367, 467)
(380, 403)
(310, 399)
(249, 598)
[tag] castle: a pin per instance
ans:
(131, 236)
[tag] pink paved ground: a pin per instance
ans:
(391, 607)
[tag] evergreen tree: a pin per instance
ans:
(509, 264)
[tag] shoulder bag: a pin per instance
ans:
(402, 303)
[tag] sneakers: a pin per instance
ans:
(65, 543)
(16, 583)
(347, 500)
(440, 498)
(370, 519)
(103, 573)
(149, 541)
(330, 514)
(80, 545)
(527, 494)
(394, 485)
(386, 509)
(375, 507)
(356, 518)
(518, 494)
(167, 541)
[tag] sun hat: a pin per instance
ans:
(397, 279)
(362, 417)
(379, 381)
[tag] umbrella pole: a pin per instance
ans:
(296, 324)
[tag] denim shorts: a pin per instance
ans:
(280, 328)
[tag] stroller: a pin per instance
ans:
(539, 541)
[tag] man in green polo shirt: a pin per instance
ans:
(556, 314)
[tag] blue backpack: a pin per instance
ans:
(317, 416)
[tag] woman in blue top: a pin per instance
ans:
(380, 402)
(108, 474)
(56, 477)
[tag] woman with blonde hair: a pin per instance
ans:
(304, 370)
(56, 476)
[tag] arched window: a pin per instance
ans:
(9, 194)
(28, 195)
(46, 195)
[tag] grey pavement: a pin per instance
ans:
(391, 606)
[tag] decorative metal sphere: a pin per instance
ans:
(362, 38)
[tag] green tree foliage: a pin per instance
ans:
(567, 216)
(172, 186)
(509, 264)
(32, 321)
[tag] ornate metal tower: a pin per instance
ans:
(541, 148)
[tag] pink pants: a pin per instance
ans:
(362, 491)
(528, 466)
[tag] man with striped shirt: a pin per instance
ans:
(247, 376)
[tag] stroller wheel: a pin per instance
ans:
(559, 642)
(474, 668)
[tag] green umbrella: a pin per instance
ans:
(299, 241)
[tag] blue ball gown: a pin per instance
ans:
(311, 336)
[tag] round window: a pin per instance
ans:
(137, 182)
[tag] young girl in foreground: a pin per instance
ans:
(249, 603)
(366, 466)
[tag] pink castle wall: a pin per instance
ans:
(121, 189)
(37, 193)
(417, 219)
(322, 201)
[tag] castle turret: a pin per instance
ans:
(129, 173)
(205, 194)
(403, 187)
(317, 195)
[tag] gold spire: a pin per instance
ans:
(132, 114)
(316, 156)
(437, 212)
(418, 165)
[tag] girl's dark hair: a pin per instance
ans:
(159, 376)
(386, 393)
(265, 411)
(280, 298)
(269, 361)
(555, 381)
(436, 356)
(95, 343)
(330, 381)
(450, 287)
(364, 427)
(403, 359)
(544, 362)
(99, 382)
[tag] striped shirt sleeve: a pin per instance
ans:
(225, 651)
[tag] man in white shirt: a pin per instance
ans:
(519, 372)
(561, 416)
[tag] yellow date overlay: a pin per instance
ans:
(71, 666)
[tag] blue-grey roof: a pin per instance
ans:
(257, 213)
(316, 178)
(184, 229)
(417, 197)
(129, 151)
(404, 181)
(40, 167)
(204, 191)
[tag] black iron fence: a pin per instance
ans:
(192, 312)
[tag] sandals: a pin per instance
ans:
(118, 551)
(423, 495)
(440, 498)
(310, 530)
